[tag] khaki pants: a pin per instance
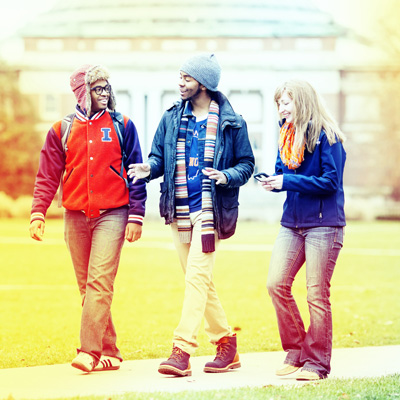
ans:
(200, 295)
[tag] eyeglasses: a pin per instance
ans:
(99, 89)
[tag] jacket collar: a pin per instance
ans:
(226, 113)
(81, 115)
(188, 111)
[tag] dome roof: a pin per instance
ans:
(183, 18)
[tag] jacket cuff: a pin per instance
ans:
(136, 219)
(228, 178)
(37, 216)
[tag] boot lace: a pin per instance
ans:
(222, 351)
(177, 354)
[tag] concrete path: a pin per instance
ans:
(51, 382)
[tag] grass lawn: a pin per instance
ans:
(40, 304)
(384, 388)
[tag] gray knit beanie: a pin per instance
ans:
(205, 69)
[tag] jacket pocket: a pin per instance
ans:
(229, 212)
(116, 172)
(68, 176)
(163, 199)
(308, 209)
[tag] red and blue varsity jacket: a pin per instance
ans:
(92, 164)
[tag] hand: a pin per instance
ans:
(36, 229)
(133, 232)
(272, 182)
(219, 176)
(138, 171)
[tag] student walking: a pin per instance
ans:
(202, 150)
(102, 206)
(309, 167)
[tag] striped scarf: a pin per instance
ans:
(181, 191)
(289, 157)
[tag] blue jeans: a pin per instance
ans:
(319, 247)
(95, 246)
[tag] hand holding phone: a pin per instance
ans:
(259, 177)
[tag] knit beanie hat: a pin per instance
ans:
(205, 69)
(80, 82)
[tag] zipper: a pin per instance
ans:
(321, 207)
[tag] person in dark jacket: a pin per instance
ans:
(309, 167)
(202, 149)
(102, 208)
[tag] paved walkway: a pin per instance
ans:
(51, 382)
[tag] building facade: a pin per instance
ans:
(259, 44)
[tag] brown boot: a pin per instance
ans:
(227, 356)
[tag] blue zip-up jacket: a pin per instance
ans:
(315, 194)
(233, 156)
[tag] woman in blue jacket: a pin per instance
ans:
(309, 167)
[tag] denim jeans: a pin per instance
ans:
(95, 246)
(319, 248)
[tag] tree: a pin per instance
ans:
(386, 36)
(20, 144)
(377, 28)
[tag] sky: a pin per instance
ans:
(360, 15)
(15, 13)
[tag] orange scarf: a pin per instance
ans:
(286, 143)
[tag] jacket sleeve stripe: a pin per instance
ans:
(37, 216)
(137, 219)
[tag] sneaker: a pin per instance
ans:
(227, 356)
(108, 363)
(84, 362)
(177, 364)
(305, 375)
(286, 369)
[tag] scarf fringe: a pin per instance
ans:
(185, 236)
(208, 243)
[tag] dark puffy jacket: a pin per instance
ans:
(315, 194)
(233, 155)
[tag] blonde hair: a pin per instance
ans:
(309, 108)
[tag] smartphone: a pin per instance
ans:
(261, 175)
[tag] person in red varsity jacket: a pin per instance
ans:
(102, 206)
